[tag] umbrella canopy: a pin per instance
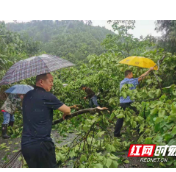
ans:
(19, 89)
(139, 61)
(34, 66)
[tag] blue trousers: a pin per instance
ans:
(93, 101)
(7, 118)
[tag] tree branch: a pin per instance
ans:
(90, 110)
(160, 61)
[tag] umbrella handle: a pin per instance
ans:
(155, 66)
(158, 62)
(6, 94)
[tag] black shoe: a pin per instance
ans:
(4, 131)
(11, 123)
(118, 135)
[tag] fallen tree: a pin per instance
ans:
(14, 158)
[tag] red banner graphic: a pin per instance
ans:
(141, 150)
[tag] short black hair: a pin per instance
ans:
(42, 76)
(127, 72)
(82, 86)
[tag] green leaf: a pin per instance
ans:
(58, 157)
(173, 131)
(126, 161)
(124, 95)
(174, 164)
(83, 158)
(15, 150)
(108, 162)
(99, 134)
(72, 154)
(172, 117)
(158, 120)
(151, 95)
(114, 164)
(172, 142)
(167, 137)
(90, 140)
(162, 113)
(150, 164)
(112, 156)
(157, 127)
(174, 107)
(158, 92)
(86, 128)
(82, 166)
(112, 116)
(162, 164)
(121, 115)
(148, 140)
(154, 111)
(110, 148)
(98, 165)
(158, 139)
(134, 124)
(169, 163)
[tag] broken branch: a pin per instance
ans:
(90, 110)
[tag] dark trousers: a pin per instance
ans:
(119, 122)
(40, 154)
(93, 101)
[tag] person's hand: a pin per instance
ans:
(65, 116)
(152, 68)
(84, 98)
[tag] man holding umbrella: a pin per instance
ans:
(126, 102)
(38, 105)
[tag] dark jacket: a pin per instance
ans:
(89, 92)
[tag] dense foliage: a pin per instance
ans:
(14, 47)
(168, 39)
(71, 39)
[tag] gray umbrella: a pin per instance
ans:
(34, 66)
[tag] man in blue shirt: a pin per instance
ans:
(38, 105)
(126, 102)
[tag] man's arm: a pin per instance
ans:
(145, 74)
(54, 103)
(65, 109)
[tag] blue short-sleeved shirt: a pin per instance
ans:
(133, 81)
(38, 106)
